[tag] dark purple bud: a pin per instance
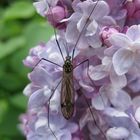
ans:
(55, 15)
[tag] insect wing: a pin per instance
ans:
(67, 95)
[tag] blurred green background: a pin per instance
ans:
(20, 29)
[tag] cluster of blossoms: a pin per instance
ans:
(107, 101)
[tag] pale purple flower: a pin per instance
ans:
(90, 34)
(106, 91)
(106, 70)
(55, 15)
(134, 81)
(42, 6)
(109, 96)
(54, 10)
(106, 32)
(36, 126)
(121, 122)
(128, 53)
(33, 57)
(117, 11)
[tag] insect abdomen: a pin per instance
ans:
(67, 95)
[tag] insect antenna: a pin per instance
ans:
(55, 34)
(83, 29)
(66, 48)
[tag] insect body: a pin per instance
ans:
(67, 89)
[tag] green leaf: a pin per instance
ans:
(3, 109)
(16, 63)
(9, 29)
(2, 68)
(11, 45)
(19, 10)
(9, 124)
(11, 82)
(37, 32)
(1, 13)
(19, 100)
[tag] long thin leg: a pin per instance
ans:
(47, 61)
(79, 36)
(87, 61)
(53, 91)
(55, 34)
(94, 117)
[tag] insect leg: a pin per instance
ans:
(55, 34)
(94, 119)
(73, 52)
(53, 91)
(87, 61)
(47, 61)
(90, 109)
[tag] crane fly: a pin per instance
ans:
(67, 86)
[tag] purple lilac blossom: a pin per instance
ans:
(106, 93)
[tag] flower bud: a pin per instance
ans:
(106, 32)
(55, 15)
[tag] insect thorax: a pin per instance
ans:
(68, 67)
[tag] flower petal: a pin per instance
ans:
(108, 21)
(137, 114)
(133, 136)
(118, 118)
(134, 32)
(135, 46)
(122, 60)
(98, 13)
(92, 28)
(89, 6)
(39, 98)
(137, 60)
(72, 33)
(81, 23)
(121, 100)
(120, 40)
(41, 7)
(55, 102)
(94, 41)
(97, 72)
(99, 101)
(136, 102)
(117, 133)
(117, 80)
(39, 76)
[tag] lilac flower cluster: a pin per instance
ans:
(107, 101)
